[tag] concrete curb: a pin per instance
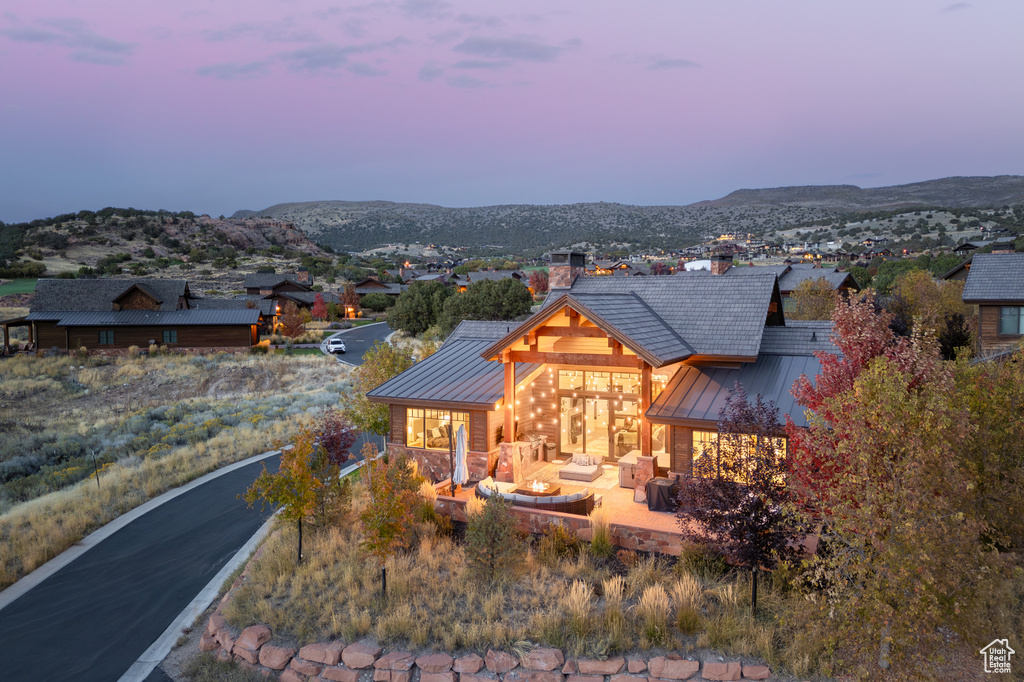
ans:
(88, 542)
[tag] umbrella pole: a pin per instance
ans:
(451, 457)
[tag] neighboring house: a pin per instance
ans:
(609, 366)
(115, 314)
(266, 284)
(995, 283)
(789, 275)
(371, 285)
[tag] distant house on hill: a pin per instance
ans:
(111, 315)
(267, 283)
(970, 246)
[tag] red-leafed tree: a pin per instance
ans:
(336, 435)
(350, 298)
(861, 333)
(319, 306)
(878, 466)
(539, 281)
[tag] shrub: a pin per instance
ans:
(557, 543)
(493, 544)
(601, 542)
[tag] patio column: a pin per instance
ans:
(509, 430)
(645, 402)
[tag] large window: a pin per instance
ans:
(107, 337)
(715, 455)
(429, 428)
(170, 336)
(1011, 320)
(598, 382)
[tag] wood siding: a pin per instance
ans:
(495, 423)
(990, 341)
(207, 336)
(397, 420)
(48, 335)
(682, 449)
(478, 431)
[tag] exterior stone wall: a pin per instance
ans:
(365, 661)
(536, 521)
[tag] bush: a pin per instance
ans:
(493, 544)
(556, 544)
(377, 302)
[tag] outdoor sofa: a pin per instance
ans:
(582, 467)
(579, 503)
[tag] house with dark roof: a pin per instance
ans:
(372, 285)
(790, 275)
(618, 369)
(111, 315)
(268, 283)
(995, 283)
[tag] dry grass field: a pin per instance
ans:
(147, 423)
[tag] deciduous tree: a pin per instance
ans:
(319, 306)
(738, 494)
(539, 281)
(382, 362)
(349, 297)
(813, 299)
(388, 515)
(291, 321)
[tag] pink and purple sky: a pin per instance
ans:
(217, 106)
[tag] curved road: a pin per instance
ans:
(93, 618)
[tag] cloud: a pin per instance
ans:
(489, 21)
(230, 72)
(426, 9)
(318, 58)
(363, 69)
(429, 72)
(956, 7)
(87, 45)
(518, 49)
(272, 32)
(481, 64)
(664, 64)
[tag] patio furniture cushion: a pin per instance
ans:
(576, 472)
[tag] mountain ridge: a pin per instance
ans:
(359, 225)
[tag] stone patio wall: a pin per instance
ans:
(537, 521)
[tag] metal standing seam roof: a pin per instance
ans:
(696, 395)
(995, 277)
(152, 318)
(715, 315)
(454, 374)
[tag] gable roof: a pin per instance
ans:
(66, 295)
(714, 315)
(269, 280)
(995, 277)
(641, 329)
(456, 374)
(790, 280)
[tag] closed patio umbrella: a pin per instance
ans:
(461, 474)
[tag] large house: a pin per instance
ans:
(612, 367)
(995, 283)
(111, 315)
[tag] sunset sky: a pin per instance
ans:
(218, 106)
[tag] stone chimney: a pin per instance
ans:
(720, 262)
(303, 277)
(1004, 247)
(565, 267)
(817, 264)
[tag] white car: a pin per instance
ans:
(335, 346)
